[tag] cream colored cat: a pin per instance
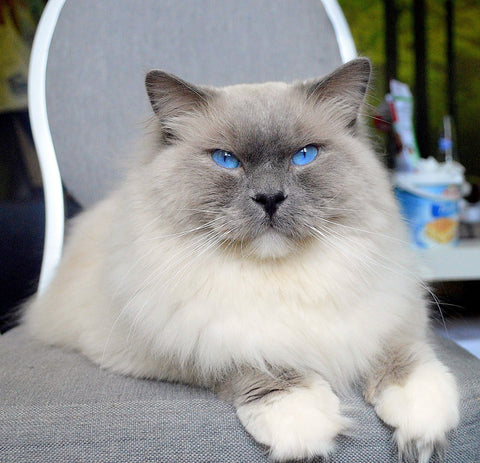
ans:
(256, 249)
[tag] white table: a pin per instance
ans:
(449, 264)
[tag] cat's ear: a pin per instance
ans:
(346, 86)
(171, 96)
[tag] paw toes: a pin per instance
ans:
(299, 424)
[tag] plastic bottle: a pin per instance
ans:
(446, 140)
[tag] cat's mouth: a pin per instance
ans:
(270, 244)
(264, 236)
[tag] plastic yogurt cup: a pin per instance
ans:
(429, 201)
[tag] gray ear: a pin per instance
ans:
(346, 85)
(171, 96)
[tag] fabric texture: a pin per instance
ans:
(96, 101)
(56, 406)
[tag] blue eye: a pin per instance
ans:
(304, 156)
(225, 159)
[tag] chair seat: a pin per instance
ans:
(56, 406)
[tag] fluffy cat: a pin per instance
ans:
(256, 249)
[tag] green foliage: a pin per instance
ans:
(366, 23)
(366, 20)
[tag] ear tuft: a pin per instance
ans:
(171, 96)
(347, 85)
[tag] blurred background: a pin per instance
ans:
(432, 45)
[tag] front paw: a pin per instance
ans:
(301, 422)
(423, 410)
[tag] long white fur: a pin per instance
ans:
(167, 299)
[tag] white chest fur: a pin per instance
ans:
(306, 312)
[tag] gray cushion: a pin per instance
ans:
(56, 406)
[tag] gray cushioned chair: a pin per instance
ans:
(87, 105)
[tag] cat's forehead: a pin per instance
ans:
(263, 117)
(263, 98)
(241, 92)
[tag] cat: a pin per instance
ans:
(256, 249)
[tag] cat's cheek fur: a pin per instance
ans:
(301, 422)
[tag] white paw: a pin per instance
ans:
(423, 410)
(299, 423)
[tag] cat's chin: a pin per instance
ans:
(270, 245)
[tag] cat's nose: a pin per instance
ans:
(270, 202)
